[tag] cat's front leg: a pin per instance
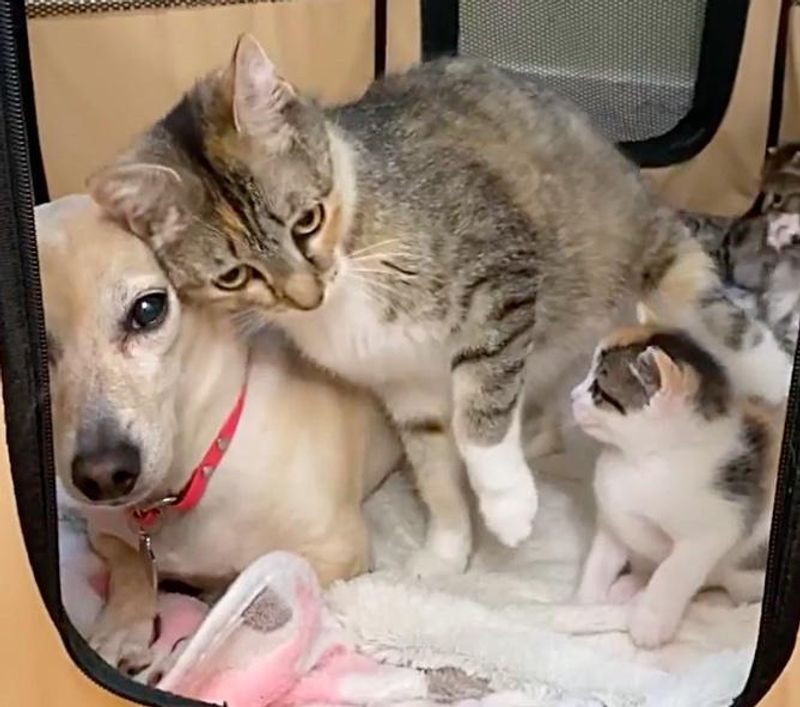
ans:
(423, 420)
(487, 398)
(659, 609)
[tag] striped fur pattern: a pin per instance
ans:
(456, 237)
(685, 479)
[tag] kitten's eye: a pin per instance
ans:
(235, 278)
(777, 200)
(309, 222)
(148, 311)
(600, 396)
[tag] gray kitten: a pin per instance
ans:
(758, 257)
(456, 236)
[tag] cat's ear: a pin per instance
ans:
(646, 371)
(146, 199)
(661, 376)
(260, 93)
(645, 315)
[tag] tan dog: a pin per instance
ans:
(141, 386)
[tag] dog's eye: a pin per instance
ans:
(235, 278)
(148, 311)
(309, 222)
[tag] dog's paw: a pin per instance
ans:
(126, 646)
(650, 628)
(509, 513)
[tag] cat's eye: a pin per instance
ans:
(148, 311)
(777, 200)
(309, 222)
(235, 278)
(599, 395)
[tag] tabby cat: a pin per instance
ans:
(455, 237)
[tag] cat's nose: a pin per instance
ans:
(304, 290)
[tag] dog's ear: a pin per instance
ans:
(147, 199)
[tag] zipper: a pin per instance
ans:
(783, 491)
(15, 129)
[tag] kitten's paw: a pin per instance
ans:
(650, 628)
(126, 646)
(509, 513)
(625, 589)
(426, 563)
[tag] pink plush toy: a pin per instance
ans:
(269, 641)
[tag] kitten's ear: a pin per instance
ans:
(660, 374)
(646, 371)
(645, 315)
(259, 92)
(147, 199)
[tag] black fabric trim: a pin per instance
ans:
(439, 28)
(381, 20)
(722, 38)
(779, 75)
(780, 612)
(38, 9)
(20, 29)
(778, 81)
(23, 362)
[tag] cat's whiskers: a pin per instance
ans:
(371, 247)
(248, 321)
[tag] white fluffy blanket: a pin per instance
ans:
(510, 624)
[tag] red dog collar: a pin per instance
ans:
(146, 517)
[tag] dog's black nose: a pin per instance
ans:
(107, 473)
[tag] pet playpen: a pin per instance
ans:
(693, 90)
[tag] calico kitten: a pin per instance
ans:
(684, 483)
(453, 237)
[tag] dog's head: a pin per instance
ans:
(113, 325)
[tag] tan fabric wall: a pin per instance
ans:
(100, 79)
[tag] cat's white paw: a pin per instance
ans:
(509, 513)
(126, 646)
(650, 628)
(426, 563)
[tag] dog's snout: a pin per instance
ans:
(107, 473)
